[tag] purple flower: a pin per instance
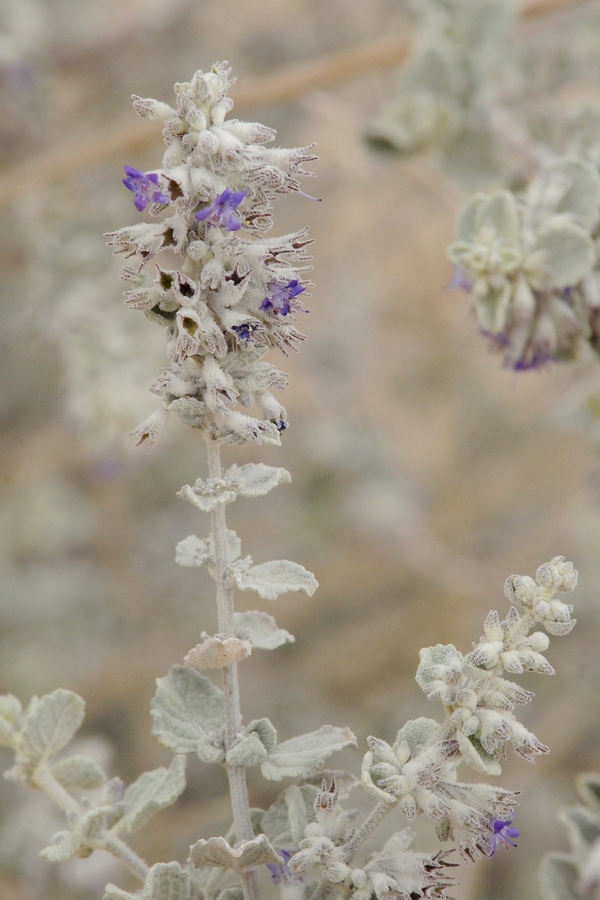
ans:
(281, 297)
(144, 186)
(502, 832)
(459, 280)
(221, 210)
(281, 872)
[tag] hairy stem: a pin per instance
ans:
(362, 835)
(123, 852)
(46, 782)
(233, 717)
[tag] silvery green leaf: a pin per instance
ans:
(492, 308)
(231, 893)
(203, 502)
(558, 877)
(79, 772)
(211, 749)
(582, 197)
(499, 214)
(476, 757)
(65, 844)
(50, 723)
(191, 551)
(588, 788)
(10, 709)
(471, 158)
(276, 824)
(186, 708)
(276, 577)
(247, 751)
(466, 223)
(261, 630)
(416, 733)
(584, 829)
(166, 881)
(569, 254)
(284, 822)
(86, 833)
(302, 756)
(300, 802)
(152, 792)
(112, 892)
(256, 479)
(266, 731)
(217, 852)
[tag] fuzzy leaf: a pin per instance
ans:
(112, 892)
(302, 756)
(499, 213)
(416, 733)
(217, 852)
(65, 845)
(261, 630)
(256, 480)
(50, 723)
(247, 751)
(202, 502)
(231, 893)
(166, 881)
(266, 731)
(85, 834)
(186, 708)
(10, 708)
(475, 756)
(558, 877)
(152, 792)
(569, 254)
(300, 802)
(79, 772)
(270, 579)
(582, 197)
(191, 551)
(466, 223)
(284, 822)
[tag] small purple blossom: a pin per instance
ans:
(281, 297)
(459, 280)
(144, 186)
(222, 210)
(281, 872)
(502, 832)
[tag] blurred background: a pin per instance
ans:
(423, 473)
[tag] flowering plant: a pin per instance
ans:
(230, 298)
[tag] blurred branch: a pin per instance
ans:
(93, 147)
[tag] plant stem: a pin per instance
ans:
(238, 790)
(46, 782)
(367, 828)
(123, 852)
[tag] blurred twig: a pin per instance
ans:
(87, 149)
